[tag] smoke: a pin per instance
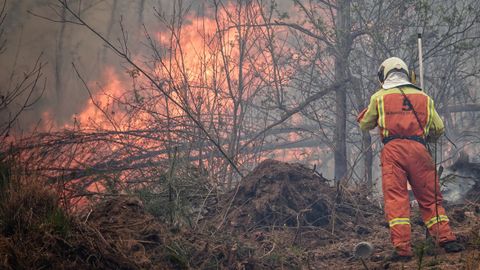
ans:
(455, 190)
(462, 176)
(29, 33)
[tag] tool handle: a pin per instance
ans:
(420, 58)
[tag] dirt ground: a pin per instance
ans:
(300, 212)
(282, 216)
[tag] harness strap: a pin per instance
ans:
(410, 105)
(412, 138)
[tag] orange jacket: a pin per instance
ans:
(389, 110)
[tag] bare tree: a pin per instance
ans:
(226, 90)
(20, 92)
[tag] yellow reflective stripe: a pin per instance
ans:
(380, 112)
(434, 220)
(399, 221)
(381, 116)
(429, 116)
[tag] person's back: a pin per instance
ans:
(406, 117)
(402, 111)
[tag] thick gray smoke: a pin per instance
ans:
(28, 35)
(454, 191)
(30, 30)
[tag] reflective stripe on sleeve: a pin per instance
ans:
(435, 220)
(381, 116)
(399, 221)
(429, 116)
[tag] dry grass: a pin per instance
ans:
(119, 233)
(35, 233)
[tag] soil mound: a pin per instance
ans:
(282, 194)
(123, 223)
(136, 235)
(117, 233)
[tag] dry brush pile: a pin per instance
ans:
(117, 232)
(114, 233)
(277, 194)
(281, 215)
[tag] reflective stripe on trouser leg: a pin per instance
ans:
(422, 172)
(396, 200)
(440, 227)
(400, 230)
(435, 220)
(399, 221)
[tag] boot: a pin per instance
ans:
(452, 246)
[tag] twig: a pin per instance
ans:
(268, 253)
(154, 82)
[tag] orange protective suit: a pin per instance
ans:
(404, 159)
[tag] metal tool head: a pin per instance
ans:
(363, 250)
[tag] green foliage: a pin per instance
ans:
(245, 251)
(420, 250)
(178, 255)
(29, 206)
(176, 195)
(59, 221)
(154, 202)
(274, 258)
(169, 205)
(5, 172)
(426, 248)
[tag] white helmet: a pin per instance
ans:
(390, 65)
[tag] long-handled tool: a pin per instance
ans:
(440, 169)
(420, 58)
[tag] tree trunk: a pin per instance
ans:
(343, 38)
(113, 17)
(59, 63)
(140, 13)
(367, 141)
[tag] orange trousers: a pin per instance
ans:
(406, 160)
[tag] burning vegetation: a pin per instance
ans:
(220, 134)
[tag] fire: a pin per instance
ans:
(102, 108)
(209, 65)
(219, 69)
(191, 74)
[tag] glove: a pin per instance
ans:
(361, 115)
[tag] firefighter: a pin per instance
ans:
(406, 118)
